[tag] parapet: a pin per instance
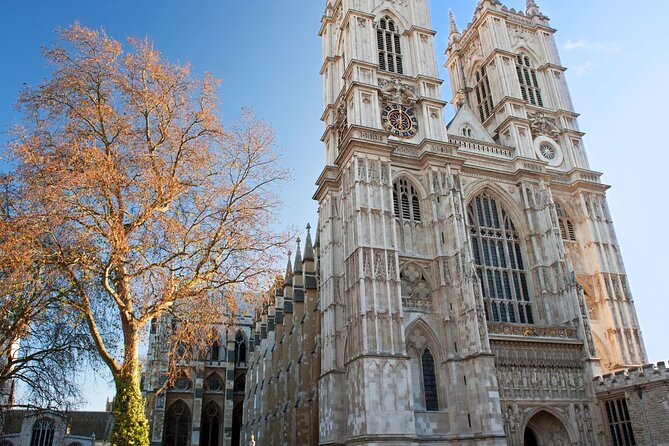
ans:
(632, 377)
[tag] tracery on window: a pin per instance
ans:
(240, 349)
(567, 230)
(416, 293)
(43, 432)
(406, 204)
(483, 93)
(177, 425)
(211, 425)
(527, 77)
(499, 261)
(389, 46)
(214, 383)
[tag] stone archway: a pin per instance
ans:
(545, 429)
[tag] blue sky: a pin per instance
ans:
(268, 55)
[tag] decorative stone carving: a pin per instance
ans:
(407, 151)
(543, 126)
(416, 292)
(522, 37)
(399, 2)
(395, 92)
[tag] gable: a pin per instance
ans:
(465, 124)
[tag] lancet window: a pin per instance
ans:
(483, 94)
(177, 425)
(527, 77)
(389, 45)
(240, 350)
(406, 204)
(566, 226)
(43, 432)
(500, 265)
(429, 381)
(211, 425)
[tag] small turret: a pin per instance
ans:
(455, 35)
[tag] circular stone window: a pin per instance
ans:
(547, 150)
(214, 383)
(182, 383)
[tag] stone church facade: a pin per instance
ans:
(465, 284)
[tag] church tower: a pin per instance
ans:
(405, 349)
(508, 84)
(470, 280)
(465, 284)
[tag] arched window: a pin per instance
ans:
(214, 383)
(211, 425)
(240, 350)
(214, 351)
(499, 261)
(567, 230)
(43, 432)
(429, 381)
(388, 41)
(406, 204)
(483, 94)
(177, 425)
(240, 383)
(527, 77)
(467, 131)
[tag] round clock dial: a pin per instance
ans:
(400, 120)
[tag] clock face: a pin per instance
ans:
(400, 120)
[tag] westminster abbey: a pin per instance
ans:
(464, 285)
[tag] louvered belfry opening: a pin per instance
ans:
(483, 94)
(406, 204)
(527, 77)
(389, 45)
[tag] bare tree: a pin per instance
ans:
(145, 202)
(40, 342)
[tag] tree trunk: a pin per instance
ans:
(131, 427)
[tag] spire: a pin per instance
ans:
(455, 35)
(298, 258)
(533, 9)
(454, 27)
(308, 246)
(288, 280)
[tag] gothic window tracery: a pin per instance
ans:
(43, 432)
(177, 425)
(407, 211)
(389, 46)
(499, 261)
(567, 230)
(240, 350)
(416, 293)
(527, 77)
(483, 93)
(211, 425)
(406, 203)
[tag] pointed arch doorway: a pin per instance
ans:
(545, 429)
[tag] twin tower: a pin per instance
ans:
(465, 284)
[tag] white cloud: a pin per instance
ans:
(586, 45)
(580, 70)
